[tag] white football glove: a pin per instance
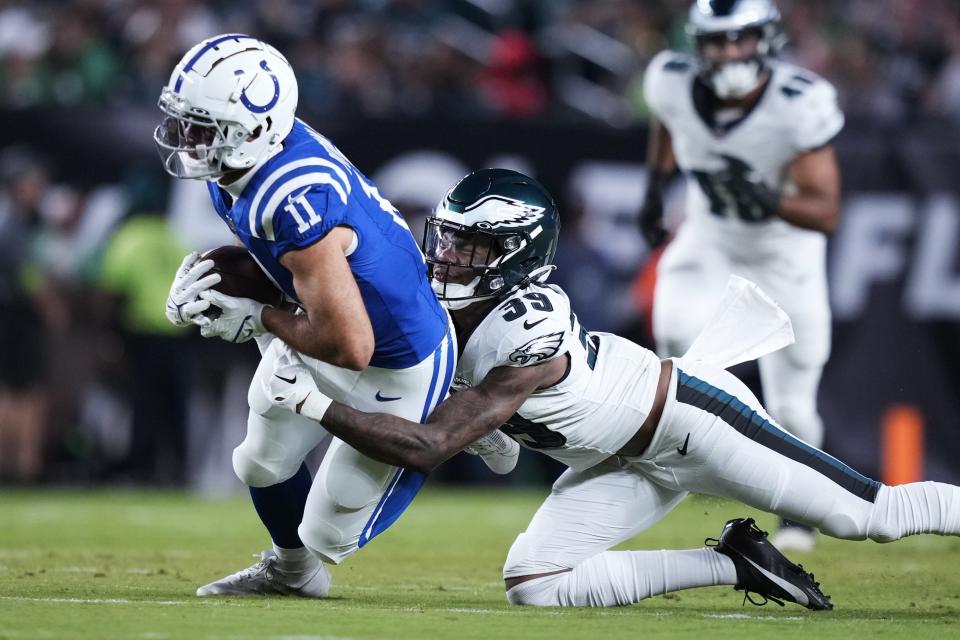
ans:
(292, 387)
(238, 321)
(498, 451)
(183, 304)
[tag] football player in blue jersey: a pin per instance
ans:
(369, 329)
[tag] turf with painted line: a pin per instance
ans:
(125, 565)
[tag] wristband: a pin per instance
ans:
(315, 405)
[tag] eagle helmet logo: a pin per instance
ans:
(497, 211)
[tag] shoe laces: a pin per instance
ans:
(262, 567)
(748, 595)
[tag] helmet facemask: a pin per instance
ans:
(193, 144)
(732, 78)
(465, 263)
(734, 39)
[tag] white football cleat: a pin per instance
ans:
(265, 578)
(498, 451)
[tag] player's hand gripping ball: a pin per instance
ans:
(240, 277)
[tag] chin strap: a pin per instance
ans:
(541, 274)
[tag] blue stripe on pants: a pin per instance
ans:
(406, 483)
(700, 394)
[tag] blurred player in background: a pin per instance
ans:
(371, 330)
(637, 433)
(753, 136)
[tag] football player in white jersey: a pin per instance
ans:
(637, 433)
(752, 134)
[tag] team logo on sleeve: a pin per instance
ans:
(538, 349)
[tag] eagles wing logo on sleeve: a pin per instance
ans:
(538, 349)
(501, 211)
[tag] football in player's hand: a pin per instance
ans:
(241, 277)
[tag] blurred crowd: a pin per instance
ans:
(96, 385)
(893, 60)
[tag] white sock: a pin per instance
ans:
(918, 507)
(295, 561)
(616, 578)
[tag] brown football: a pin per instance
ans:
(241, 277)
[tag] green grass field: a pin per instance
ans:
(125, 565)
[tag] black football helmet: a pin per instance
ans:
(493, 232)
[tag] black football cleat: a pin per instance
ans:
(763, 570)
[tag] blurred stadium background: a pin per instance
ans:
(96, 387)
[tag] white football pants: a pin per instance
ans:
(353, 497)
(691, 279)
(714, 438)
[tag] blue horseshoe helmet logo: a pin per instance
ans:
(260, 108)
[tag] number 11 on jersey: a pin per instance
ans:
(293, 208)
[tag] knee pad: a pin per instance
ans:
(338, 509)
(520, 558)
(351, 488)
(252, 472)
(326, 541)
(531, 554)
(843, 526)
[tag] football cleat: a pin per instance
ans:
(764, 571)
(265, 578)
(498, 451)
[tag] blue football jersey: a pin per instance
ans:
(306, 190)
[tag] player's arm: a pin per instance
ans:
(816, 205)
(460, 420)
(660, 157)
(335, 327)
(661, 165)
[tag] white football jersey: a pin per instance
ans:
(797, 112)
(599, 404)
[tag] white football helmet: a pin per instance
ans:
(229, 103)
(718, 20)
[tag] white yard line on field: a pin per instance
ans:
(310, 638)
(122, 601)
(744, 616)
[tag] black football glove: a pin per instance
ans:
(651, 221)
(756, 200)
(651, 212)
